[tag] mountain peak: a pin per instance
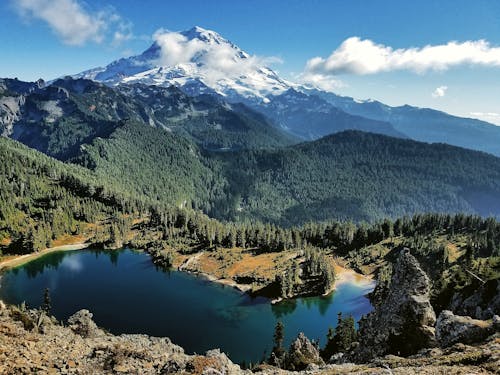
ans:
(199, 58)
(204, 35)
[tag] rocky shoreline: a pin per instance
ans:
(81, 347)
(401, 336)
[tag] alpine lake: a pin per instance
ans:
(127, 293)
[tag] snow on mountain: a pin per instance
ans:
(200, 60)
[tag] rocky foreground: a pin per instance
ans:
(30, 343)
(401, 336)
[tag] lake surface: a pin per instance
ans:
(127, 293)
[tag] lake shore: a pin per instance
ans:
(19, 260)
(346, 275)
(343, 275)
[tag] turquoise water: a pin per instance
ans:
(128, 294)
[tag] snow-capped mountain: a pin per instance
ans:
(214, 64)
(200, 62)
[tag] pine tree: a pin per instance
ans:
(330, 347)
(47, 305)
(345, 333)
(278, 351)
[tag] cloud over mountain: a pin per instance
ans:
(363, 56)
(215, 56)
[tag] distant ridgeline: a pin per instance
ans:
(43, 200)
(158, 145)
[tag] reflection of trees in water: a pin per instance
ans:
(37, 266)
(322, 303)
(165, 270)
(98, 252)
(113, 257)
(287, 307)
(284, 308)
(54, 260)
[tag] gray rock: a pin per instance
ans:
(477, 302)
(337, 358)
(404, 321)
(452, 329)
(302, 353)
(312, 367)
(82, 324)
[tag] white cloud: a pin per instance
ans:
(357, 56)
(217, 60)
(73, 263)
(74, 24)
(439, 92)
(320, 81)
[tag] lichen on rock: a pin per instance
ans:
(404, 322)
(452, 329)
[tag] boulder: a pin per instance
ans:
(302, 354)
(452, 329)
(82, 324)
(403, 323)
(477, 301)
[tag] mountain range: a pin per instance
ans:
(262, 88)
(253, 146)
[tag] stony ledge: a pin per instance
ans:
(83, 348)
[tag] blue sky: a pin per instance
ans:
(41, 42)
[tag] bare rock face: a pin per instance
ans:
(10, 112)
(451, 329)
(404, 322)
(82, 324)
(58, 350)
(480, 302)
(302, 354)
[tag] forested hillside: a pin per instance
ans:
(361, 176)
(43, 199)
(153, 163)
(160, 145)
(348, 176)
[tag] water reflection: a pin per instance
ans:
(113, 257)
(287, 307)
(38, 266)
(284, 308)
(74, 263)
(128, 294)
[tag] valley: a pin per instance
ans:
(190, 195)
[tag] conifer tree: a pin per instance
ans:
(47, 304)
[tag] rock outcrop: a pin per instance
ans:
(83, 348)
(302, 354)
(82, 324)
(59, 350)
(452, 329)
(404, 322)
(480, 302)
(10, 112)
